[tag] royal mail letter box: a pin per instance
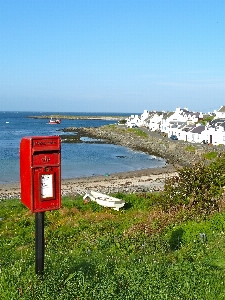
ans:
(40, 173)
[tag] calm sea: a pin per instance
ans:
(79, 159)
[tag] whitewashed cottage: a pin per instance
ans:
(133, 120)
(220, 114)
(155, 121)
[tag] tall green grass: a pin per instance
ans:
(140, 252)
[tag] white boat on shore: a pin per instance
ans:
(104, 200)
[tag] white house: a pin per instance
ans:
(171, 121)
(215, 132)
(184, 124)
(220, 114)
(144, 117)
(166, 121)
(155, 121)
(195, 134)
(133, 120)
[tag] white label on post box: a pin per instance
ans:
(46, 186)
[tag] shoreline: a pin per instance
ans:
(145, 180)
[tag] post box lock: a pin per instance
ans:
(40, 173)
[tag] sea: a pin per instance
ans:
(77, 159)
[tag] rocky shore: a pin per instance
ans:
(177, 153)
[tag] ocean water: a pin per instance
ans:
(78, 159)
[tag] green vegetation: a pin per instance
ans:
(135, 131)
(210, 155)
(123, 121)
(201, 186)
(111, 126)
(166, 245)
(190, 148)
(138, 132)
(207, 120)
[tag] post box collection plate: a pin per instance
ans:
(47, 186)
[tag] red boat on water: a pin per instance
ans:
(54, 121)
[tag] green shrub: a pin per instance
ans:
(123, 121)
(199, 186)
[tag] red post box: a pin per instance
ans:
(40, 173)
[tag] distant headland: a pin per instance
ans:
(66, 117)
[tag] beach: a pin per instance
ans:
(146, 180)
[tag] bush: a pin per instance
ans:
(200, 185)
(123, 121)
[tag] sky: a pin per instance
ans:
(112, 55)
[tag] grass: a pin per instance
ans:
(210, 155)
(91, 252)
(190, 148)
(138, 132)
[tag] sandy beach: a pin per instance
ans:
(128, 182)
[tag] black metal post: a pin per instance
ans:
(39, 243)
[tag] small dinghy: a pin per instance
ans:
(104, 200)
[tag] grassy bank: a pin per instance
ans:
(140, 252)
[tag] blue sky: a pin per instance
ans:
(112, 55)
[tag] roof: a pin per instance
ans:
(188, 128)
(222, 109)
(217, 121)
(191, 114)
(198, 129)
(184, 124)
(167, 115)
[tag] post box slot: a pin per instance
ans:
(40, 144)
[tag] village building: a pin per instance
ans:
(184, 124)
